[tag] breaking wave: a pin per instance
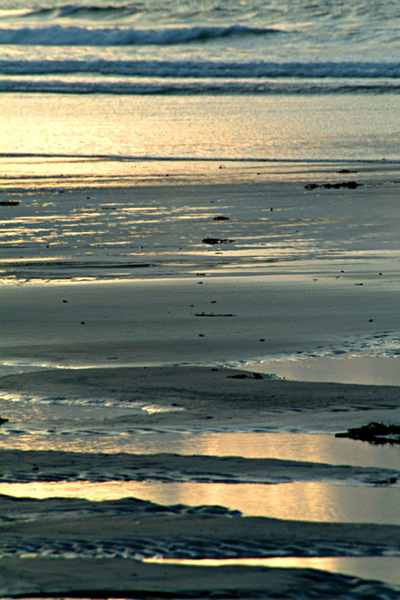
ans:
(57, 35)
(214, 69)
(152, 76)
(68, 11)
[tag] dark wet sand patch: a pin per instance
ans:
(134, 579)
(40, 465)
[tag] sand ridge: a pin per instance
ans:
(24, 466)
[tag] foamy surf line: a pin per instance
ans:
(117, 36)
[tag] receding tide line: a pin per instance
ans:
(120, 158)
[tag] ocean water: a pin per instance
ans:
(278, 46)
(282, 79)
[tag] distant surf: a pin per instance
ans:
(56, 35)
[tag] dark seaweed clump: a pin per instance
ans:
(350, 185)
(211, 240)
(374, 433)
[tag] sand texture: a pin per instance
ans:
(97, 548)
(143, 327)
(92, 579)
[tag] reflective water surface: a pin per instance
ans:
(358, 368)
(372, 567)
(309, 447)
(313, 501)
(338, 127)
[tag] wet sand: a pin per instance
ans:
(109, 275)
(118, 318)
(54, 547)
(140, 580)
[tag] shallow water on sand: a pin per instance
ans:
(309, 447)
(247, 127)
(383, 568)
(361, 369)
(72, 424)
(309, 501)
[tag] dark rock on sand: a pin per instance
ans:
(203, 314)
(374, 433)
(246, 376)
(210, 240)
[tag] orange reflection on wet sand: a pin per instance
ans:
(310, 501)
(382, 568)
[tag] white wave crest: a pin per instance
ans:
(121, 36)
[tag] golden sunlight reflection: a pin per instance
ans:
(63, 125)
(320, 448)
(313, 501)
(351, 368)
(316, 448)
(382, 568)
(67, 173)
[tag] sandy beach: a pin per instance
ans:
(128, 343)
(199, 300)
(129, 274)
(87, 548)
